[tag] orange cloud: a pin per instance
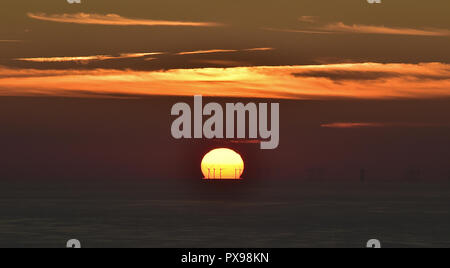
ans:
(85, 59)
(211, 51)
(369, 29)
(66, 59)
(427, 80)
(139, 55)
(340, 27)
(260, 49)
(114, 19)
(207, 51)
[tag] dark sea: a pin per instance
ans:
(196, 214)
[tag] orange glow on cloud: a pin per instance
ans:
(88, 58)
(211, 51)
(370, 29)
(260, 49)
(362, 81)
(340, 27)
(66, 59)
(207, 51)
(139, 55)
(114, 19)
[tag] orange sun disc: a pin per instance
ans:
(222, 164)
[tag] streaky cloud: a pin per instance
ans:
(342, 28)
(212, 51)
(66, 59)
(371, 29)
(139, 55)
(115, 20)
(297, 31)
(338, 76)
(411, 81)
(86, 59)
(260, 49)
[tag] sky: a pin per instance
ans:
(282, 49)
(360, 85)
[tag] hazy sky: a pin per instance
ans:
(129, 36)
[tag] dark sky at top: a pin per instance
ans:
(245, 24)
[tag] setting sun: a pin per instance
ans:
(222, 164)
